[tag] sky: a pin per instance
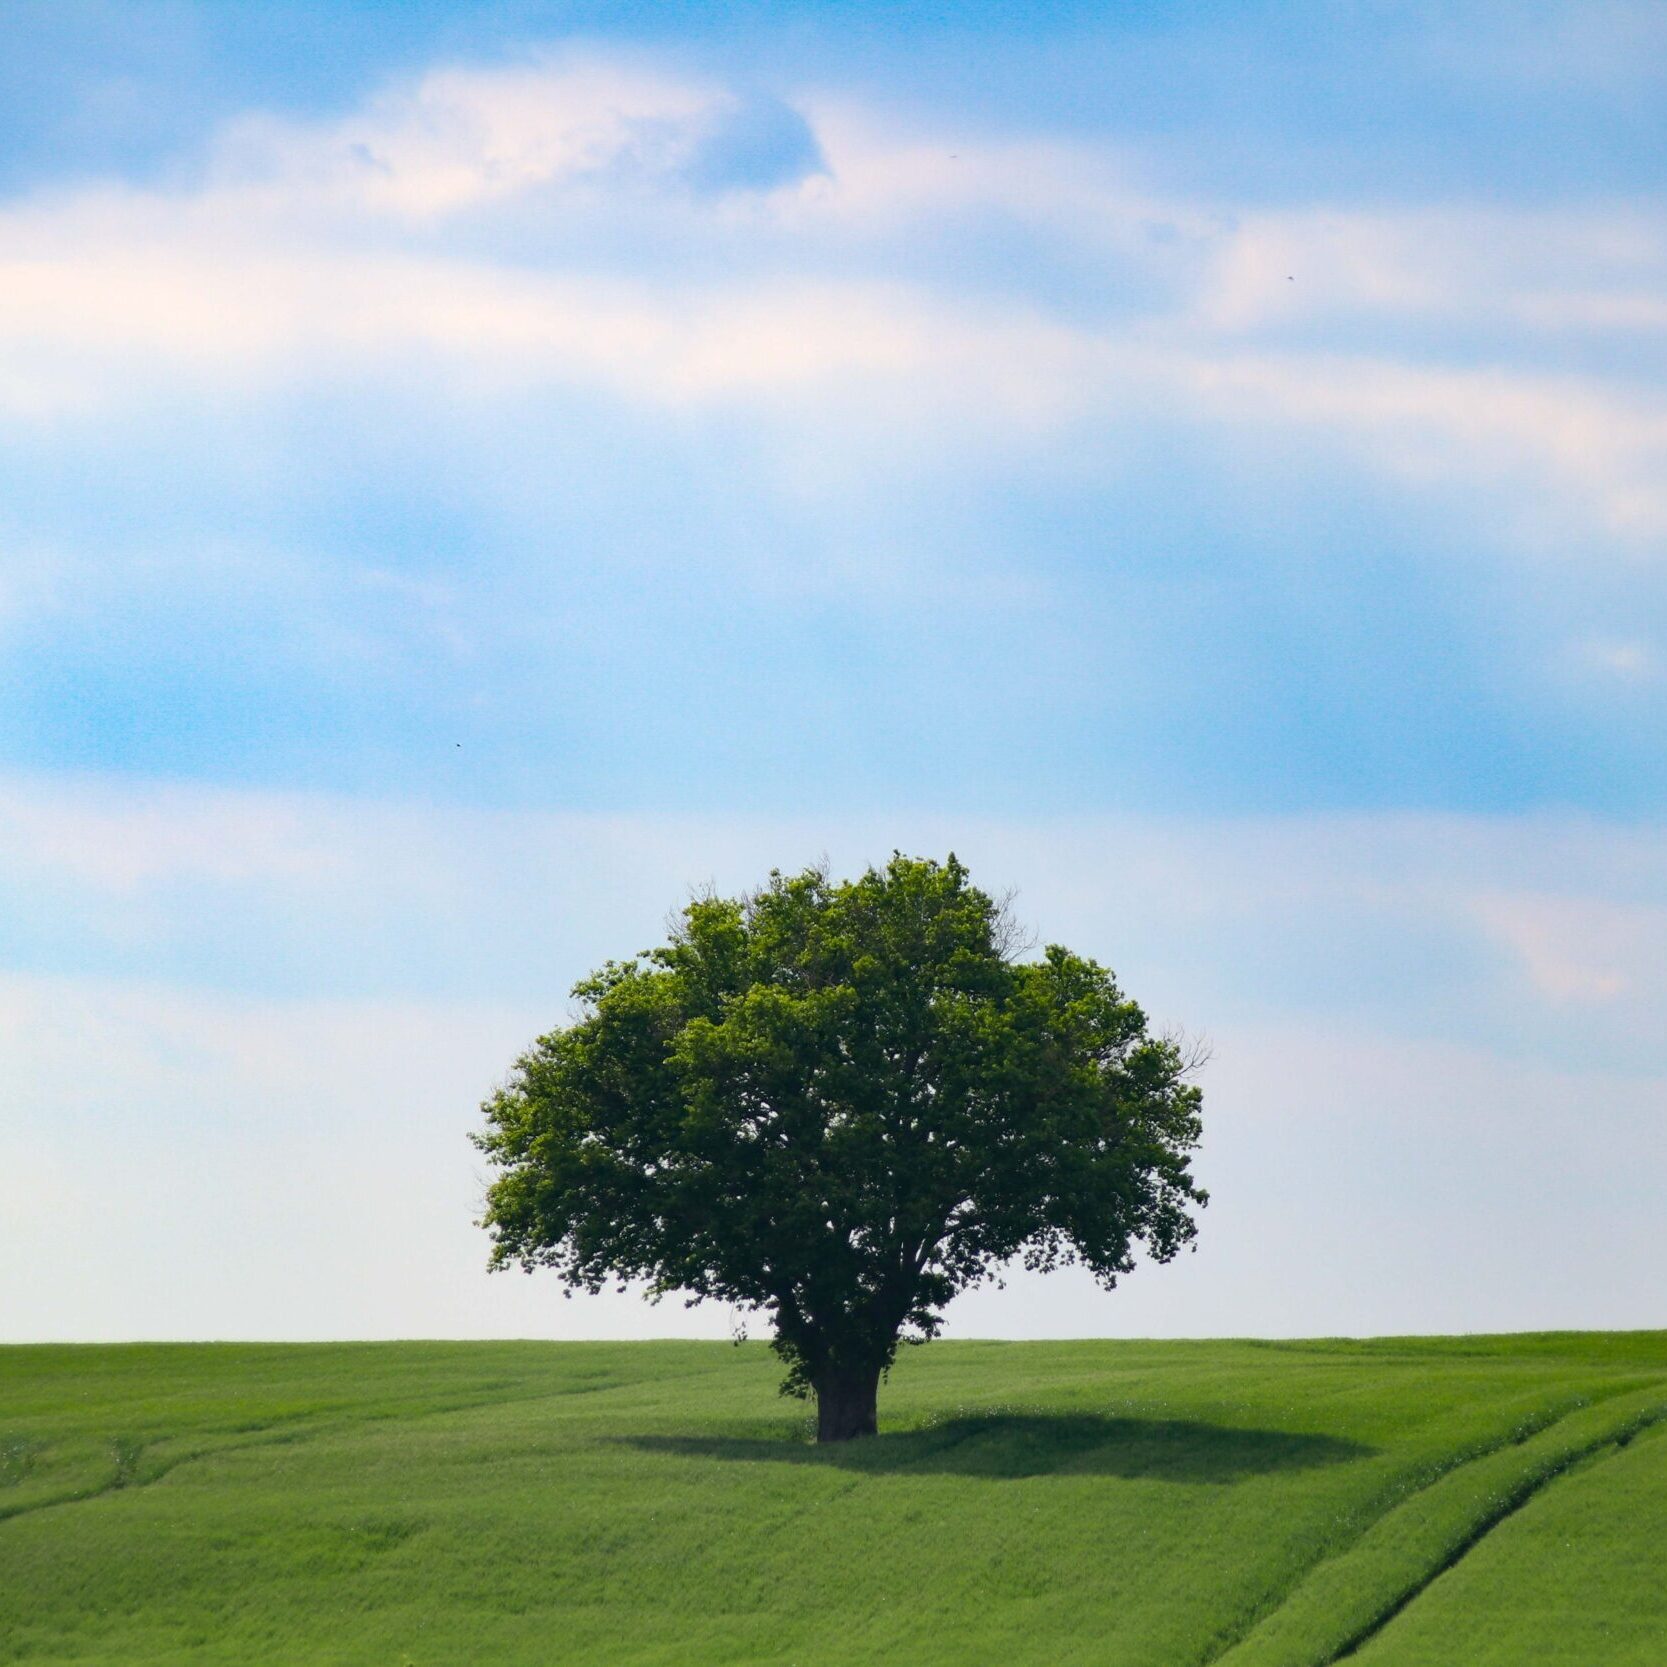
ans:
(471, 474)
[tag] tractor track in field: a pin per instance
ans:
(128, 1472)
(1530, 1489)
(1513, 1500)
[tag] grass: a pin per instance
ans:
(1579, 1574)
(1474, 1500)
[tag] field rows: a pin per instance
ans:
(1476, 1501)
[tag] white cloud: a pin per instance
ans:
(231, 314)
(327, 248)
(1405, 916)
(825, 352)
(458, 138)
(1580, 949)
(1603, 449)
(884, 179)
(116, 839)
(1566, 269)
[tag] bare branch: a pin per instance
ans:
(1013, 940)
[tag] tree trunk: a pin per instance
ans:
(846, 1404)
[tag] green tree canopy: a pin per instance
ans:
(837, 1104)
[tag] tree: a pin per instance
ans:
(838, 1104)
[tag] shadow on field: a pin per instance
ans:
(1035, 1444)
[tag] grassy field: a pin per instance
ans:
(1464, 1500)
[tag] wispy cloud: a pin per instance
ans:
(249, 1002)
(1428, 923)
(459, 139)
(1575, 950)
(1570, 268)
(1600, 449)
(361, 241)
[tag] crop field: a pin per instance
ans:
(1454, 1500)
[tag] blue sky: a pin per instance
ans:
(470, 473)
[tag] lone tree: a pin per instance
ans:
(838, 1104)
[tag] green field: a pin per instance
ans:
(1459, 1500)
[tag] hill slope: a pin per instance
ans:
(1140, 1504)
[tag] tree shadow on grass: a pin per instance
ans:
(1016, 1445)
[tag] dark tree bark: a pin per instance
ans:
(847, 1404)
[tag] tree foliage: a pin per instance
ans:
(838, 1104)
